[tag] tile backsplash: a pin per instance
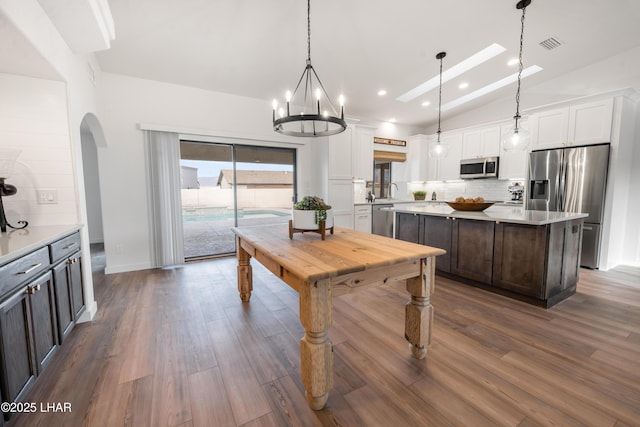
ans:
(490, 189)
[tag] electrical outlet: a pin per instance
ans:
(47, 196)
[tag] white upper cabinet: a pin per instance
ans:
(340, 155)
(363, 153)
(590, 123)
(581, 124)
(549, 129)
(417, 158)
(483, 142)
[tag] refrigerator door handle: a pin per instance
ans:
(562, 178)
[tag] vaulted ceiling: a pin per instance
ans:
(257, 48)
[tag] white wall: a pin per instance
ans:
(127, 102)
(28, 17)
(33, 119)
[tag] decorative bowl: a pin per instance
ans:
(475, 207)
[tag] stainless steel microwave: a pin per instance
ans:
(486, 167)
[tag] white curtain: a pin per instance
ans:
(163, 177)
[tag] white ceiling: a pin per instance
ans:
(257, 48)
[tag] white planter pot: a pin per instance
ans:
(306, 220)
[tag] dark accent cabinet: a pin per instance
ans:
(29, 335)
(539, 262)
(436, 232)
(67, 277)
(408, 227)
(41, 298)
(472, 249)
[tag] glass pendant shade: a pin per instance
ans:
(438, 150)
(517, 139)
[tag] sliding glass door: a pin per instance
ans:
(228, 185)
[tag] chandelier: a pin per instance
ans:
(313, 112)
(437, 149)
(517, 139)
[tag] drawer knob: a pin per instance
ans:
(33, 289)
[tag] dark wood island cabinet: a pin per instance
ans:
(530, 255)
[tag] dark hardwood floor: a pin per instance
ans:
(177, 347)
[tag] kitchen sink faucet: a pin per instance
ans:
(389, 189)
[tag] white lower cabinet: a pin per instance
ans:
(340, 198)
(362, 218)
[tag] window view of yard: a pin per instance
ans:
(216, 198)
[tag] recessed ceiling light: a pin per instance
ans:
(463, 85)
(382, 92)
(392, 120)
(513, 61)
(461, 67)
(491, 87)
(426, 103)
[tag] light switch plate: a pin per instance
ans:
(47, 196)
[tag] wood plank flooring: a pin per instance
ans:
(177, 347)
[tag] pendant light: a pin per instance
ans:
(311, 120)
(438, 149)
(517, 139)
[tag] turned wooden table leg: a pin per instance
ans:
(245, 275)
(418, 311)
(316, 351)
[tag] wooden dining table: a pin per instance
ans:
(320, 269)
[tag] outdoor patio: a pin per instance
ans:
(214, 237)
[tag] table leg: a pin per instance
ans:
(245, 275)
(316, 351)
(418, 311)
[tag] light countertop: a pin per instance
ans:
(424, 202)
(516, 215)
(16, 243)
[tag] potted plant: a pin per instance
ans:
(419, 195)
(309, 212)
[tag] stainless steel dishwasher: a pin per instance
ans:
(382, 219)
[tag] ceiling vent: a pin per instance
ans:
(550, 43)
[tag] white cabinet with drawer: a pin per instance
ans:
(362, 218)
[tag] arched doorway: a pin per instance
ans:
(92, 138)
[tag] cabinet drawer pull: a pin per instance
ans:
(70, 245)
(72, 261)
(30, 269)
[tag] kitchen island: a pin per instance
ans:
(529, 255)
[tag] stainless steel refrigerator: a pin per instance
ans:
(572, 180)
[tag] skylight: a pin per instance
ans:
(453, 72)
(491, 87)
